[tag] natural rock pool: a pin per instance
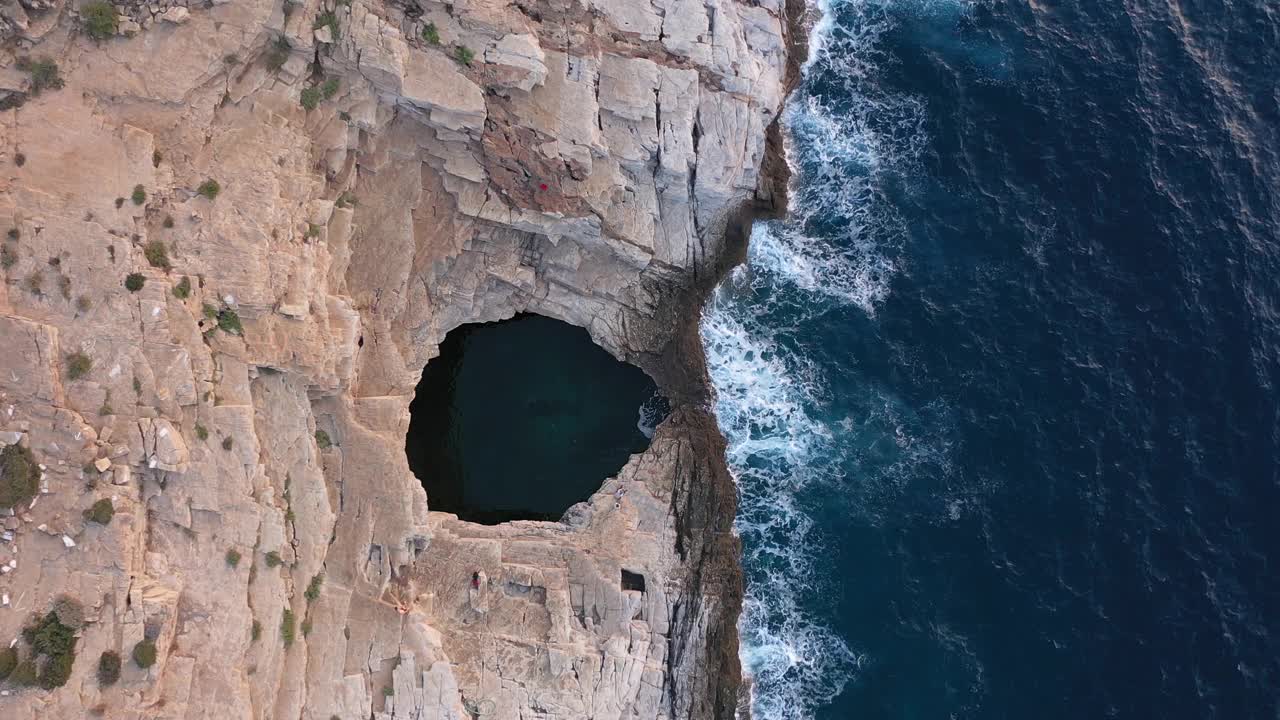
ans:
(520, 419)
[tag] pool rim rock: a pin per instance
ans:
(439, 396)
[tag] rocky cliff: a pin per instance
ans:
(237, 231)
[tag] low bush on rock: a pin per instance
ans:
(144, 654)
(431, 34)
(288, 631)
(25, 675)
(8, 661)
(313, 590)
(157, 254)
(209, 188)
(101, 512)
(44, 73)
(19, 476)
(109, 668)
(100, 19)
(278, 53)
(53, 644)
(78, 365)
(133, 282)
(229, 321)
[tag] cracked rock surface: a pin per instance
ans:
(385, 170)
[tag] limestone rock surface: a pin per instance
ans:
(256, 220)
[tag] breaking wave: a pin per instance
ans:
(835, 249)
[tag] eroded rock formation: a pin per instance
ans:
(385, 171)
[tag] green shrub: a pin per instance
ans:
(24, 674)
(44, 74)
(8, 256)
(133, 282)
(100, 19)
(227, 442)
(101, 512)
(331, 20)
(49, 636)
(310, 98)
(55, 641)
(157, 254)
(388, 691)
(109, 668)
(464, 55)
(313, 230)
(19, 476)
(139, 195)
(255, 631)
(278, 54)
(273, 559)
(229, 321)
(313, 589)
(182, 290)
(329, 87)
(288, 631)
(322, 440)
(83, 303)
(167, 222)
(8, 661)
(209, 188)
(144, 653)
(233, 557)
(202, 432)
(431, 34)
(156, 157)
(78, 365)
(56, 671)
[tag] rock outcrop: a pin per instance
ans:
(232, 225)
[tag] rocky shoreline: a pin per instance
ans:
(238, 231)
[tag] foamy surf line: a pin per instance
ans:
(832, 251)
(774, 451)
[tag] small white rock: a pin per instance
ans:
(103, 464)
(68, 541)
(175, 15)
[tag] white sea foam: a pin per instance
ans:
(651, 412)
(775, 449)
(836, 246)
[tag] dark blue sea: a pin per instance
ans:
(1000, 391)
